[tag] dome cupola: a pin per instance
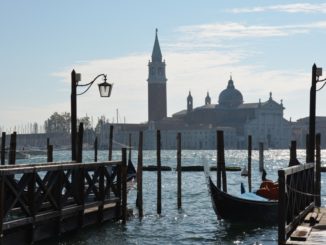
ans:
(230, 97)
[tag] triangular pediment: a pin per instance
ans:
(271, 105)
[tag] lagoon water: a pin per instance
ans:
(196, 222)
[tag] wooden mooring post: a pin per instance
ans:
(159, 175)
(293, 154)
(80, 175)
(80, 137)
(261, 156)
(3, 148)
(124, 186)
(50, 153)
(95, 149)
(139, 201)
(110, 142)
(49, 150)
(179, 170)
(129, 144)
(12, 149)
(307, 148)
(249, 161)
(318, 170)
(221, 161)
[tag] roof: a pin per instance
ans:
(156, 54)
(208, 106)
(180, 113)
(249, 106)
(230, 97)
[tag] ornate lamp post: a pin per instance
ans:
(316, 73)
(105, 89)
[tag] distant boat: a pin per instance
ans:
(19, 155)
(131, 175)
(22, 155)
(244, 171)
(34, 152)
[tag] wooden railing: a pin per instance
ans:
(296, 197)
(32, 194)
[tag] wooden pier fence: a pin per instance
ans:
(39, 201)
(301, 220)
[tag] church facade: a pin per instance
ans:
(262, 120)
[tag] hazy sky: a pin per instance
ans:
(268, 46)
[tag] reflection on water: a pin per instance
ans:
(196, 222)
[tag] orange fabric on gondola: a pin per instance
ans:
(268, 184)
(268, 189)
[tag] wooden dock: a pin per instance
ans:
(301, 219)
(312, 231)
(40, 201)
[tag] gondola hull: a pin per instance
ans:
(235, 208)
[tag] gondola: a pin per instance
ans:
(131, 171)
(247, 207)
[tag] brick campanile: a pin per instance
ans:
(156, 85)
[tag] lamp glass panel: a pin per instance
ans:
(105, 89)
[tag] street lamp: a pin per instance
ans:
(105, 89)
(316, 73)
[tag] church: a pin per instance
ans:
(263, 120)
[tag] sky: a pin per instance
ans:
(267, 46)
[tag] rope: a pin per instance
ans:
(304, 193)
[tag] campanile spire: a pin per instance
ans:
(157, 104)
(156, 54)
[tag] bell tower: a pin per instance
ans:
(189, 103)
(157, 106)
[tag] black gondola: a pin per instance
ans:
(248, 207)
(131, 171)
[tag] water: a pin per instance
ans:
(196, 222)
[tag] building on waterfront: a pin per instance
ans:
(263, 120)
(300, 130)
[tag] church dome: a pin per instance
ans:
(230, 97)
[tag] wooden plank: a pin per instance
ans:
(112, 200)
(301, 233)
(17, 223)
(313, 217)
(298, 168)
